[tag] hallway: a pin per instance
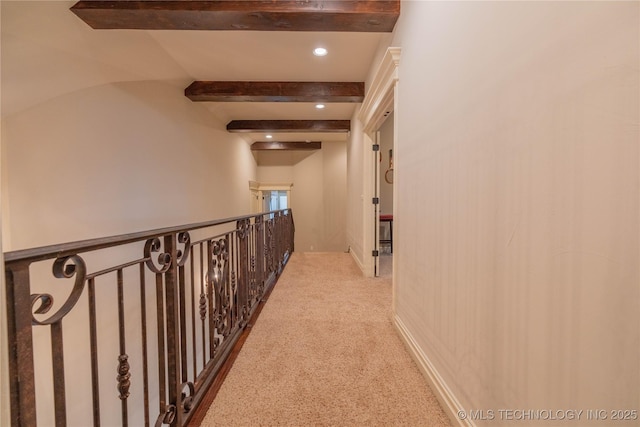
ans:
(516, 193)
(325, 352)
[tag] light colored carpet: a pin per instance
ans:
(324, 352)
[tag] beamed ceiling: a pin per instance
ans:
(243, 15)
(249, 63)
(275, 91)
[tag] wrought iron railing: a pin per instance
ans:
(145, 323)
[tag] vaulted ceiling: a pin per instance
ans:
(249, 62)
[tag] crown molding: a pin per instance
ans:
(378, 101)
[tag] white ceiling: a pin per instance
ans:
(39, 36)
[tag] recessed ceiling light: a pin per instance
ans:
(269, 136)
(319, 106)
(320, 51)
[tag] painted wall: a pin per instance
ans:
(386, 144)
(118, 158)
(318, 197)
(275, 174)
(94, 154)
(517, 255)
(355, 191)
(5, 404)
(100, 139)
(518, 268)
(108, 160)
(331, 231)
(385, 188)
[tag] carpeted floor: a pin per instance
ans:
(324, 352)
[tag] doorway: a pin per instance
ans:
(379, 104)
(385, 187)
(269, 197)
(274, 200)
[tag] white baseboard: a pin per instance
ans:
(358, 262)
(447, 400)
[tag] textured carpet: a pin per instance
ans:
(324, 352)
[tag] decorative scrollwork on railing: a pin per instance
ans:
(220, 250)
(46, 302)
(253, 288)
(164, 259)
(203, 306)
(124, 376)
(183, 254)
(243, 228)
(63, 268)
(167, 417)
(218, 277)
(234, 282)
(270, 246)
(244, 272)
(244, 316)
(187, 399)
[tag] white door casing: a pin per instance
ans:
(380, 100)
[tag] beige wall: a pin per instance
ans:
(356, 155)
(331, 236)
(95, 159)
(385, 188)
(108, 160)
(118, 158)
(5, 405)
(317, 197)
(517, 221)
(99, 139)
(386, 144)
(275, 174)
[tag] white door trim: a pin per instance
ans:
(379, 101)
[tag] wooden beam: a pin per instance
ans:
(289, 145)
(207, 91)
(289, 126)
(248, 15)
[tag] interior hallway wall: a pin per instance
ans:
(90, 150)
(119, 158)
(275, 174)
(5, 401)
(108, 160)
(517, 222)
(356, 156)
(386, 188)
(318, 197)
(386, 144)
(99, 139)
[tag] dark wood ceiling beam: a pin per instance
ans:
(281, 15)
(288, 145)
(234, 91)
(289, 126)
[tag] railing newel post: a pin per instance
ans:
(20, 338)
